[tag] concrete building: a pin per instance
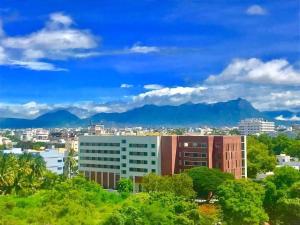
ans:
(286, 160)
(105, 159)
(256, 126)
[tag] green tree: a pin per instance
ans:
(23, 173)
(206, 181)
(259, 157)
(293, 149)
(280, 189)
(70, 164)
(242, 202)
(178, 184)
(125, 185)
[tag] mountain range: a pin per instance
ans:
(218, 114)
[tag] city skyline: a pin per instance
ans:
(111, 57)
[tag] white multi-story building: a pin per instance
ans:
(256, 126)
(54, 160)
(109, 158)
(286, 160)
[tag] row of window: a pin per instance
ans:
(141, 145)
(144, 170)
(101, 159)
(99, 144)
(194, 163)
(100, 151)
(195, 154)
(142, 153)
(192, 144)
(141, 161)
(100, 166)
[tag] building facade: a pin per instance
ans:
(106, 159)
(256, 126)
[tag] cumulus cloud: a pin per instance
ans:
(57, 40)
(138, 48)
(169, 96)
(126, 86)
(256, 10)
(293, 118)
(270, 85)
(153, 86)
(274, 72)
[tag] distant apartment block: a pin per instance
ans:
(106, 159)
(54, 160)
(256, 126)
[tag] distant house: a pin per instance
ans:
(286, 160)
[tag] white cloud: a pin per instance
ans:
(56, 41)
(270, 85)
(274, 72)
(137, 48)
(126, 86)
(293, 118)
(256, 10)
(153, 86)
(169, 96)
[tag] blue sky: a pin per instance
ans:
(103, 56)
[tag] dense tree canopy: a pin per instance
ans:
(242, 202)
(282, 196)
(259, 157)
(23, 173)
(206, 181)
(178, 184)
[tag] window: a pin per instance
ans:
(195, 144)
(123, 156)
(123, 141)
(204, 155)
(138, 170)
(153, 162)
(203, 145)
(123, 149)
(139, 153)
(153, 170)
(138, 145)
(59, 160)
(123, 164)
(138, 161)
(153, 154)
(153, 145)
(59, 168)
(123, 171)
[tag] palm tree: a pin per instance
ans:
(71, 164)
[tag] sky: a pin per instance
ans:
(112, 56)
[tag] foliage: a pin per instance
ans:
(74, 201)
(2, 147)
(31, 145)
(242, 202)
(178, 184)
(206, 181)
(280, 144)
(259, 157)
(155, 208)
(21, 174)
(70, 164)
(210, 214)
(282, 196)
(125, 185)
